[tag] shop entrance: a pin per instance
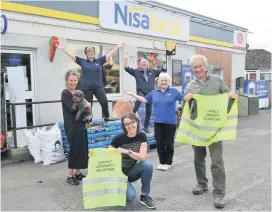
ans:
(15, 58)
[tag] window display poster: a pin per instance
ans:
(176, 72)
(154, 60)
(187, 76)
(141, 114)
(111, 69)
(257, 87)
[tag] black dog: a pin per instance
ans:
(79, 102)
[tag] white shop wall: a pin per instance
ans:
(238, 68)
(48, 80)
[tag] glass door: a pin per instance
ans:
(13, 58)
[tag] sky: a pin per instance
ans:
(247, 14)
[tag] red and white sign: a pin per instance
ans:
(239, 39)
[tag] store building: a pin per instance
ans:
(258, 64)
(145, 27)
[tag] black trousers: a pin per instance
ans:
(100, 94)
(148, 109)
(165, 136)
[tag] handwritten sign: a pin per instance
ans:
(212, 115)
(104, 166)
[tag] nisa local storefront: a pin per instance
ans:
(146, 28)
(129, 17)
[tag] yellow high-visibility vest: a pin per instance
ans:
(213, 122)
(105, 185)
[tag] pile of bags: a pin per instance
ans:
(45, 145)
(150, 139)
(49, 144)
(100, 134)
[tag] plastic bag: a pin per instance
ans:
(34, 146)
(51, 145)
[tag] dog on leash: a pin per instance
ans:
(78, 103)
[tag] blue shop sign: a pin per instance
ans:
(14, 59)
(4, 24)
(141, 114)
(257, 87)
(187, 76)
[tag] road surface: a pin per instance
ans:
(248, 169)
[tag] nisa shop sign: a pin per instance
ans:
(143, 20)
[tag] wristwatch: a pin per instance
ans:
(129, 152)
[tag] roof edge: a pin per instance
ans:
(164, 6)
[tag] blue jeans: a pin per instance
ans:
(143, 170)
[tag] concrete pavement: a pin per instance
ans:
(248, 169)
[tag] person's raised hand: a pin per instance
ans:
(121, 44)
(127, 91)
(126, 55)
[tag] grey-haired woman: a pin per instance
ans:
(75, 131)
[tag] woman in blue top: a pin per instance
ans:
(92, 72)
(164, 99)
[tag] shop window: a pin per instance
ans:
(252, 76)
(111, 68)
(154, 60)
(29, 115)
(13, 59)
(265, 76)
(219, 72)
(17, 59)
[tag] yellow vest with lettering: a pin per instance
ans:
(213, 122)
(105, 185)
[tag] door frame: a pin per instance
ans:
(28, 94)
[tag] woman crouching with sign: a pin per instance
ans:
(132, 144)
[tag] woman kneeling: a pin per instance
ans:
(132, 144)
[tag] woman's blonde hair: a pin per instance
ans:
(70, 72)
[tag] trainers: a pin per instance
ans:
(199, 189)
(219, 202)
(72, 180)
(166, 167)
(160, 167)
(147, 201)
(80, 176)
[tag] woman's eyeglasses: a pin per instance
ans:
(129, 123)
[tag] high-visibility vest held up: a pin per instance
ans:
(105, 185)
(210, 119)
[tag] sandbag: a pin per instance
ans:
(34, 146)
(51, 145)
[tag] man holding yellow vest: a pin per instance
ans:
(208, 84)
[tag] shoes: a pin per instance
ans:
(199, 189)
(166, 167)
(147, 201)
(219, 202)
(72, 180)
(160, 167)
(163, 167)
(80, 176)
